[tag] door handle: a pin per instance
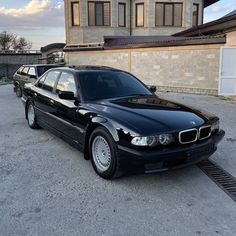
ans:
(51, 101)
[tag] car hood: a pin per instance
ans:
(151, 114)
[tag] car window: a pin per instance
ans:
(19, 70)
(109, 84)
(50, 80)
(40, 82)
(32, 71)
(25, 70)
(66, 83)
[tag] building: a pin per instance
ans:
(197, 60)
(89, 21)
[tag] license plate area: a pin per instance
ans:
(197, 154)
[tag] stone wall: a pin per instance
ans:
(9, 63)
(192, 69)
(231, 38)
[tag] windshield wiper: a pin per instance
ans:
(139, 95)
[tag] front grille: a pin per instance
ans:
(204, 132)
(188, 136)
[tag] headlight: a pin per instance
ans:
(165, 139)
(215, 126)
(144, 141)
(151, 141)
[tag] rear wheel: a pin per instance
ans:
(18, 91)
(31, 116)
(103, 154)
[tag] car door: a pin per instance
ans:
(24, 77)
(45, 97)
(66, 110)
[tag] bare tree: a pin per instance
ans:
(6, 40)
(10, 41)
(21, 44)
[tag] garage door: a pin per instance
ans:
(227, 82)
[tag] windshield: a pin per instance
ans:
(110, 84)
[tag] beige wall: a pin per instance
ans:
(183, 69)
(87, 34)
(231, 38)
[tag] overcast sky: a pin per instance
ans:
(42, 21)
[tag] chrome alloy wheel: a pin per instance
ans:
(31, 115)
(101, 153)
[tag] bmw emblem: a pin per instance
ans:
(193, 123)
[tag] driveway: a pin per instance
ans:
(47, 188)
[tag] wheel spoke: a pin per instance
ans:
(101, 153)
(31, 114)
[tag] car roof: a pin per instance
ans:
(84, 68)
(38, 65)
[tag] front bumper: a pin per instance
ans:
(170, 158)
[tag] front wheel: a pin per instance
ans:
(103, 154)
(31, 116)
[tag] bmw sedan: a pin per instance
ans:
(119, 124)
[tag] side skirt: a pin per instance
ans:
(62, 136)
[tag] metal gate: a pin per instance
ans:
(227, 80)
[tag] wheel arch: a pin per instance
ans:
(99, 122)
(16, 83)
(26, 105)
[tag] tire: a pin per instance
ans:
(31, 116)
(103, 154)
(18, 92)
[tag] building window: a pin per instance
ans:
(122, 14)
(75, 13)
(99, 13)
(195, 14)
(140, 15)
(169, 14)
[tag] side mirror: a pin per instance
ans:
(66, 95)
(153, 89)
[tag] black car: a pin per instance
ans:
(119, 124)
(29, 74)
